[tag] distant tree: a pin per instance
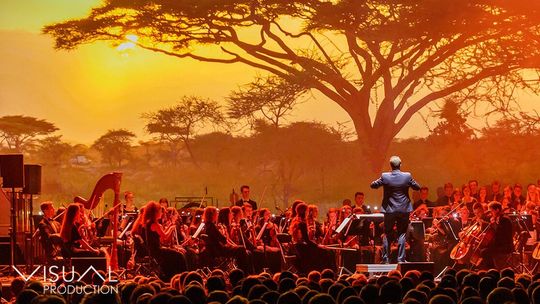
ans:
(272, 98)
(52, 151)
(453, 126)
(296, 151)
(177, 125)
(380, 61)
(115, 146)
(18, 132)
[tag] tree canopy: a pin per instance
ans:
(19, 131)
(115, 146)
(273, 98)
(381, 61)
(175, 126)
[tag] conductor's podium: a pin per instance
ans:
(379, 269)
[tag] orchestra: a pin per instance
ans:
(464, 232)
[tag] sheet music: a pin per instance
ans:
(343, 224)
(198, 231)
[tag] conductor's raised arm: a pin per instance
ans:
(413, 184)
(376, 183)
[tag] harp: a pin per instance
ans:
(110, 181)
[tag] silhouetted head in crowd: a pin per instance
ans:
(500, 295)
(289, 297)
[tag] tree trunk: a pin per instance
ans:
(374, 145)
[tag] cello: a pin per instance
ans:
(110, 181)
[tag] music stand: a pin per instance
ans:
(101, 227)
(523, 223)
(353, 226)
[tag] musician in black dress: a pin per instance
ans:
(310, 256)
(218, 246)
(74, 245)
(170, 260)
(48, 229)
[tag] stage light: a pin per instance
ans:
(376, 208)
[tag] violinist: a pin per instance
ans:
(268, 237)
(314, 226)
(171, 261)
(479, 216)
(503, 243)
(445, 231)
(247, 211)
(48, 227)
(236, 232)
(217, 244)
(266, 241)
(74, 244)
(196, 220)
(138, 236)
(330, 225)
(310, 256)
(224, 223)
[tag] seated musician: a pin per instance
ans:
(310, 255)
(170, 260)
(330, 226)
(196, 220)
(243, 233)
(238, 229)
(74, 244)
(468, 199)
(247, 212)
(270, 229)
(345, 212)
(502, 244)
(268, 248)
(164, 202)
(314, 226)
(129, 205)
(217, 244)
(479, 215)
(48, 229)
(445, 231)
(138, 249)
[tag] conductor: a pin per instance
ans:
(396, 206)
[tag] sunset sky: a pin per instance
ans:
(97, 87)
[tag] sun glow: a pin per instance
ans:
(131, 43)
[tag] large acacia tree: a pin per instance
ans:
(381, 61)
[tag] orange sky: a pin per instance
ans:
(96, 87)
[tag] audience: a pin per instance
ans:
(220, 287)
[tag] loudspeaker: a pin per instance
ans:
(12, 170)
(420, 266)
(32, 179)
(5, 252)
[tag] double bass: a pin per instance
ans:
(110, 181)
